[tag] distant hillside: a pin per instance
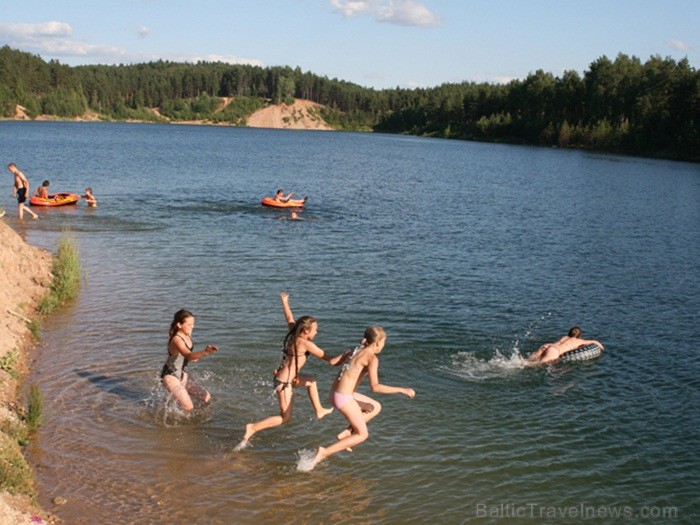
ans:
(621, 105)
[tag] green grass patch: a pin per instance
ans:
(8, 363)
(16, 476)
(35, 407)
(34, 328)
(66, 276)
(16, 429)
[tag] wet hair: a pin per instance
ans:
(374, 334)
(179, 318)
(575, 332)
(45, 183)
(280, 191)
(301, 325)
(11, 165)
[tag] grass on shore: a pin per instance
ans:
(66, 276)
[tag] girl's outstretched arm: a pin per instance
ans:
(373, 370)
(193, 356)
(316, 351)
(288, 315)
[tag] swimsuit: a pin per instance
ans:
(339, 400)
(175, 364)
(21, 195)
(284, 384)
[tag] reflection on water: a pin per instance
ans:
(470, 255)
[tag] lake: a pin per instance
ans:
(470, 256)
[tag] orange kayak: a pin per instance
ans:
(57, 199)
(291, 203)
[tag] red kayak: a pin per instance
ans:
(56, 199)
(291, 203)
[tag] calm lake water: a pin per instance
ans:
(470, 255)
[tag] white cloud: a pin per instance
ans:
(49, 40)
(212, 57)
(28, 31)
(679, 45)
(397, 12)
(70, 48)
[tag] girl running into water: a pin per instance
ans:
(180, 353)
(298, 346)
(359, 409)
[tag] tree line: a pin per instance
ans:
(621, 105)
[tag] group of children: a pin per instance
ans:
(20, 190)
(298, 345)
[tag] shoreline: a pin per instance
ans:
(25, 277)
(301, 115)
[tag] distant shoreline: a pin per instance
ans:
(302, 114)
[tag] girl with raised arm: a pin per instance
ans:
(298, 346)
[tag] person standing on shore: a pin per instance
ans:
(20, 190)
(357, 408)
(298, 346)
(180, 353)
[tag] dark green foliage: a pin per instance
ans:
(63, 102)
(620, 105)
(238, 109)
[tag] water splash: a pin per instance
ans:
(241, 446)
(306, 460)
(469, 366)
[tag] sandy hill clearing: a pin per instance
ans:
(303, 114)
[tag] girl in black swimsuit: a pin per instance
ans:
(298, 346)
(180, 353)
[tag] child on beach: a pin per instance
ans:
(180, 353)
(90, 198)
(42, 191)
(20, 190)
(357, 408)
(298, 346)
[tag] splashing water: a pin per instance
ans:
(469, 366)
(306, 460)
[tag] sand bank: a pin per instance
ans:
(25, 275)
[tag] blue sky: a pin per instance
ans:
(374, 43)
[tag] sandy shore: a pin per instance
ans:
(25, 275)
(303, 114)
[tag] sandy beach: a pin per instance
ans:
(24, 278)
(302, 114)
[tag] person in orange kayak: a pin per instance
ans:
(42, 191)
(281, 197)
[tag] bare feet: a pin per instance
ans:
(248, 432)
(320, 414)
(320, 456)
(345, 433)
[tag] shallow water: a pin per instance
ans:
(470, 255)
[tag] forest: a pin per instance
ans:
(623, 105)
